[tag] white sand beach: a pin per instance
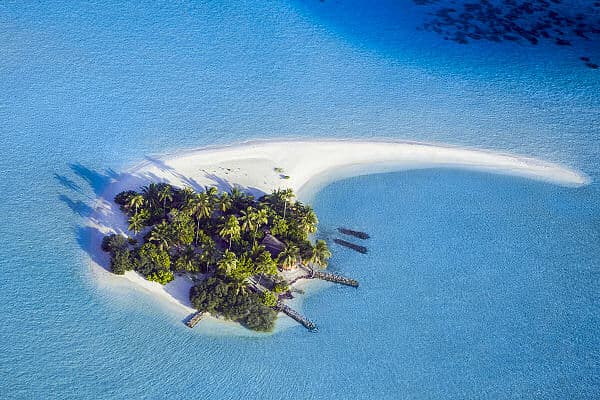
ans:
(305, 167)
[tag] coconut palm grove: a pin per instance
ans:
(225, 241)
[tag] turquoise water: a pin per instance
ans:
(475, 285)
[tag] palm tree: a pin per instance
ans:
(137, 222)
(308, 221)
(209, 252)
(264, 263)
(230, 228)
(211, 191)
(286, 195)
(227, 263)
(289, 255)
(224, 202)
(236, 193)
(185, 195)
(279, 226)
(165, 193)
(187, 260)
(247, 218)
(161, 234)
(320, 254)
(261, 217)
(199, 207)
(150, 193)
(136, 202)
(204, 205)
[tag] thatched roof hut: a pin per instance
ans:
(273, 245)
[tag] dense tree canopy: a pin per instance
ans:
(231, 300)
(219, 236)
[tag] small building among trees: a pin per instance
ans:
(273, 245)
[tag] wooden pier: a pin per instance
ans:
(296, 316)
(281, 307)
(194, 319)
(328, 276)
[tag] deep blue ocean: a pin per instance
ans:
(475, 285)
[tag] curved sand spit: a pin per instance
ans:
(309, 165)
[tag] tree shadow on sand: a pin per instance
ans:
(89, 239)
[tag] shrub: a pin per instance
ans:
(122, 198)
(222, 296)
(280, 287)
(114, 243)
(121, 262)
(269, 299)
(161, 276)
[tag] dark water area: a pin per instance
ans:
(556, 23)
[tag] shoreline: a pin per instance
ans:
(306, 166)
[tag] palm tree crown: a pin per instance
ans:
(230, 228)
(136, 201)
(165, 194)
(320, 254)
(161, 235)
(289, 255)
(224, 202)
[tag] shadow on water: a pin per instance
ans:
(67, 183)
(96, 180)
(77, 206)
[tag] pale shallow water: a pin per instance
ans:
(491, 282)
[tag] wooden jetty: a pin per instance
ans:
(296, 316)
(328, 276)
(290, 312)
(357, 234)
(194, 319)
(355, 247)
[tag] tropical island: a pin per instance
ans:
(234, 247)
(180, 231)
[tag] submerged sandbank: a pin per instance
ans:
(304, 166)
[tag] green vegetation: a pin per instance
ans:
(216, 238)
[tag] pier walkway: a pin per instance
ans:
(328, 276)
(281, 307)
(194, 319)
(296, 316)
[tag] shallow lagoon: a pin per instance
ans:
(474, 285)
(85, 89)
